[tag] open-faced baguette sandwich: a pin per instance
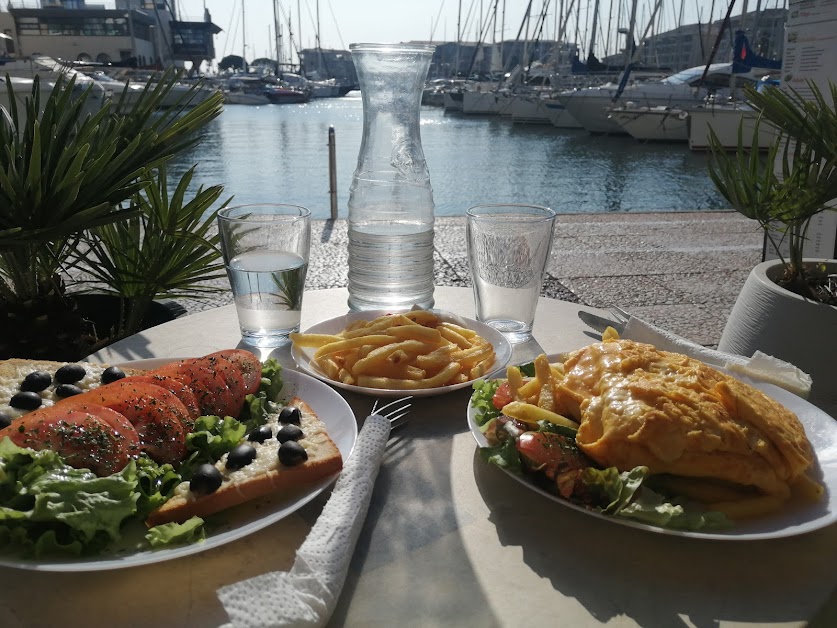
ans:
(204, 434)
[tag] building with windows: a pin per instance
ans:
(136, 33)
(690, 45)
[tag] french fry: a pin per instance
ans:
(515, 379)
(454, 337)
(329, 367)
(377, 326)
(529, 390)
(529, 413)
(462, 331)
(376, 362)
(415, 332)
(351, 343)
(405, 351)
(423, 317)
(312, 340)
(442, 378)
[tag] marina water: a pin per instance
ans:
(279, 153)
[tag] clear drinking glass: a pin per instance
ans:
(508, 246)
(266, 249)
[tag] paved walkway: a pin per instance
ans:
(681, 271)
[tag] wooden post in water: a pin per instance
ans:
(332, 173)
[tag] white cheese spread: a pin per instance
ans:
(267, 453)
(10, 385)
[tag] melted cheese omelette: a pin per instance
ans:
(639, 406)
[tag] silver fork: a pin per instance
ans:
(619, 314)
(398, 411)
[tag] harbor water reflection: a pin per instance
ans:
(279, 153)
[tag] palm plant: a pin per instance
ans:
(63, 173)
(792, 183)
(169, 249)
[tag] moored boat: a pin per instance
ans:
(653, 124)
(725, 120)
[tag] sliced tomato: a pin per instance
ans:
(231, 375)
(81, 438)
(550, 452)
(212, 393)
(502, 396)
(157, 415)
(249, 365)
(178, 388)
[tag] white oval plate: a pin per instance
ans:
(302, 356)
(800, 518)
(234, 523)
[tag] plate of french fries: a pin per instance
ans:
(420, 352)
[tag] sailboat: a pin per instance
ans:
(591, 107)
(244, 89)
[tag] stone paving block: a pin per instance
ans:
(607, 263)
(622, 291)
(716, 289)
(703, 325)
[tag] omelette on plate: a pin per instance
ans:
(639, 406)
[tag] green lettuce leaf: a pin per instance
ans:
(190, 531)
(624, 495)
(56, 507)
(481, 400)
(504, 455)
(155, 484)
(257, 406)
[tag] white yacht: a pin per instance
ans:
(591, 106)
(724, 120)
(653, 124)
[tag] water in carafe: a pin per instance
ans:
(391, 199)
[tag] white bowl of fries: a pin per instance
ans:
(420, 352)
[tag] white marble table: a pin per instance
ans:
(449, 540)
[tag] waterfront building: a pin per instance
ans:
(323, 63)
(691, 44)
(136, 33)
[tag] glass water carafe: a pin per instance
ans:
(390, 200)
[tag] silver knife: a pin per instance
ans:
(600, 323)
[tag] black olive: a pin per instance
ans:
(70, 374)
(111, 374)
(26, 400)
(67, 390)
(36, 381)
(241, 456)
(260, 434)
(290, 415)
(288, 432)
(292, 453)
(5, 420)
(205, 480)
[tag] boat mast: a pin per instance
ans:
(591, 49)
(243, 41)
(277, 29)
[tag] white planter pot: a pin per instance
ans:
(785, 325)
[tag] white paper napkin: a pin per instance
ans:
(307, 594)
(761, 366)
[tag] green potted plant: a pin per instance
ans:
(169, 250)
(63, 177)
(787, 306)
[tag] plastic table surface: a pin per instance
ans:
(449, 540)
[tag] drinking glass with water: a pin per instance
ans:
(508, 247)
(266, 249)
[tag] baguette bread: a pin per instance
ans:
(264, 476)
(14, 370)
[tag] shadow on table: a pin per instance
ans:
(415, 569)
(657, 579)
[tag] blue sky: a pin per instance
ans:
(348, 21)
